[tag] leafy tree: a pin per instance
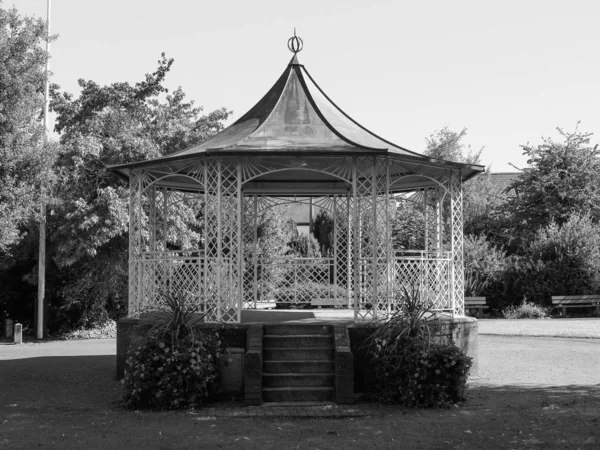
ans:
(447, 145)
(559, 260)
(107, 125)
(563, 178)
(323, 231)
(304, 246)
(24, 161)
(408, 226)
(484, 264)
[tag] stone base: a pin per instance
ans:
(353, 372)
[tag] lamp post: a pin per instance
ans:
(42, 243)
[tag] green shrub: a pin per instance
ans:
(560, 260)
(172, 367)
(161, 375)
(415, 374)
(526, 310)
(411, 368)
(483, 262)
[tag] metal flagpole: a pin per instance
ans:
(42, 244)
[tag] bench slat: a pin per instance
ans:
(574, 299)
(475, 301)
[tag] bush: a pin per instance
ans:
(161, 375)
(410, 368)
(526, 310)
(415, 374)
(172, 367)
(561, 260)
(106, 331)
(484, 264)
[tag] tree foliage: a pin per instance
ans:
(104, 125)
(25, 163)
(563, 178)
(448, 145)
(323, 232)
(408, 226)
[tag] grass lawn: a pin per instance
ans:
(492, 418)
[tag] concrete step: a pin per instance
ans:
(297, 366)
(297, 328)
(294, 354)
(298, 394)
(297, 380)
(297, 341)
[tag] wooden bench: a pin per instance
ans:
(575, 301)
(327, 302)
(477, 303)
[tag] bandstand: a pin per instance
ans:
(294, 144)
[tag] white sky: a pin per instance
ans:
(509, 71)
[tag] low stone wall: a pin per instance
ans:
(353, 371)
(463, 331)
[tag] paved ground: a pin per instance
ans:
(514, 371)
(575, 328)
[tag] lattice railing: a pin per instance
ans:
(189, 275)
(428, 272)
(299, 281)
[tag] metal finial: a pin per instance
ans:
(295, 44)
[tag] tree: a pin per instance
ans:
(563, 178)
(408, 226)
(323, 232)
(107, 125)
(447, 145)
(24, 162)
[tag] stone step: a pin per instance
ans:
(297, 341)
(298, 394)
(296, 329)
(297, 380)
(297, 366)
(293, 354)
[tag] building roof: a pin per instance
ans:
(503, 180)
(295, 117)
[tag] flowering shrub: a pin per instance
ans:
(164, 376)
(526, 310)
(106, 331)
(415, 374)
(173, 366)
(411, 368)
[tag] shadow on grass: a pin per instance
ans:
(52, 381)
(533, 396)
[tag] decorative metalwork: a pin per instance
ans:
(425, 272)
(222, 269)
(295, 44)
(456, 225)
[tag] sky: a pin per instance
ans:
(510, 72)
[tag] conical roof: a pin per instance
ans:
(295, 116)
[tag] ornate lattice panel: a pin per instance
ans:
(364, 193)
(250, 246)
(456, 225)
(298, 281)
(382, 236)
(176, 273)
(342, 251)
(135, 269)
(222, 293)
(426, 274)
